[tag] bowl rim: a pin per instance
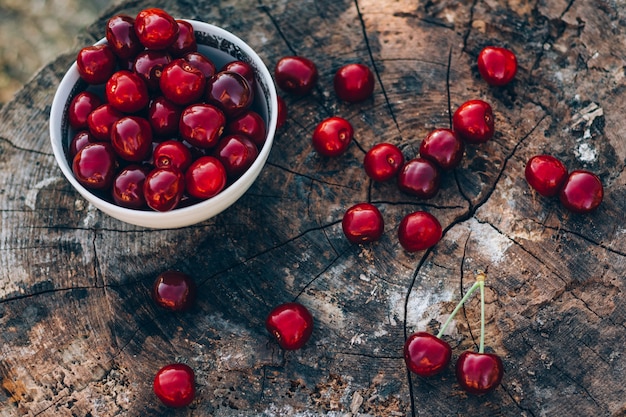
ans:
(183, 216)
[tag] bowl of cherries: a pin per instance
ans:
(164, 122)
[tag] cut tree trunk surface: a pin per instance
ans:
(81, 336)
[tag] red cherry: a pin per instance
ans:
(174, 290)
(419, 177)
(149, 66)
(251, 124)
(94, 166)
(282, 113)
(332, 136)
(81, 139)
(363, 223)
(127, 92)
(182, 83)
(202, 125)
(443, 147)
(291, 324)
(236, 153)
(582, 192)
(479, 373)
(96, 63)
(354, 82)
(127, 187)
(84, 103)
(473, 121)
(121, 36)
(242, 68)
(546, 174)
(155, 28)
(100, 121)
(201, 62)
(163, 188)
(295, 74)
(185, 41)
(230, 92)
(174, 385)
(497, 65)
(164, 117)
(383, 161)
(173, 154)
(205, 177)
(426, 354)
(131, 137)
(418, 231)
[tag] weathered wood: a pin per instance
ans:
(81, 337)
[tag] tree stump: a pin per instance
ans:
(81, 336)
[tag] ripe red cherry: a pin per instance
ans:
(332, 136)
(205, 177)
(545, 174)
(443, 147)
(363, 223)
(383, 161)
(426, 354)
(473, 121)
(479, 373)
(185, 41)
(201, 62)
(84, 103)
(163, 188)
(418, 231)
(81, 139)
(251, 124)
(155, 28)
(96, 63)
(419, 177)
(127, 189)
(202, 125)
(230, 92)
(174, 385)
(173, 154)
(282, 112)
(497, 65)
(182, 83)
(121, 36)
(237, 153)
(100, 121)
(291, 324)
(149, 66)
(127, 92)
(242, 68)
(94, 166)
(164, 117)
(295, 74)
(174, 290)
(131, 137)
(582, 192)
(354, 82)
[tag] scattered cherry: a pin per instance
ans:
(94, 165)
(545, 174)
(96, 63)
(174, 385)
(419, 177)
(426, 354)
(291, 324)
(127, 92)
(363, 223)
(473, 121)
(174, 290)
(418, 231)
(282, 112)
(84, 103)
(383, 161)
(164, 188)
(332, 136)
(127, 189)
(295, 74)
(354, 82)
(205, 177)
(497, 65)
(479, 373)
(582, 192)
(443, 147)
(155, 28)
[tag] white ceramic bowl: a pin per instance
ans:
(221, 47)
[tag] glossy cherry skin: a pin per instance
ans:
(419, 177)
(127, 92)
(127, 188)
(426, 354)
(383, 161)
(545, 174)
(354, 82)
(173, 154)
(94, 166)
(182, 83)
(237, 153)
(201, 62)
(251, 124)
(131, 137)
(582, 192)
(291, 324)
(295, 75)
(121, 36)
(96, 63)
(84, 103)
(479, 373)
(497, 65)
(363, 223)
(185, 41)
(81, 139)
(174, 290)
(164, 117)
(174, 385)
(473, 121)
(242, 68)
(332, 136)
(443, 147)
(202, 125)
(282, 113)
(419, 231)
(149, 66)
(100, 121)
(155, 28)
(230, 92)
(205, 177)
(164, 188)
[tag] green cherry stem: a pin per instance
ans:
(480, 283)
(481, 347)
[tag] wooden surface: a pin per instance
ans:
(79, 333)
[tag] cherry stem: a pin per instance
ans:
(480, 283)
(481, 347)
